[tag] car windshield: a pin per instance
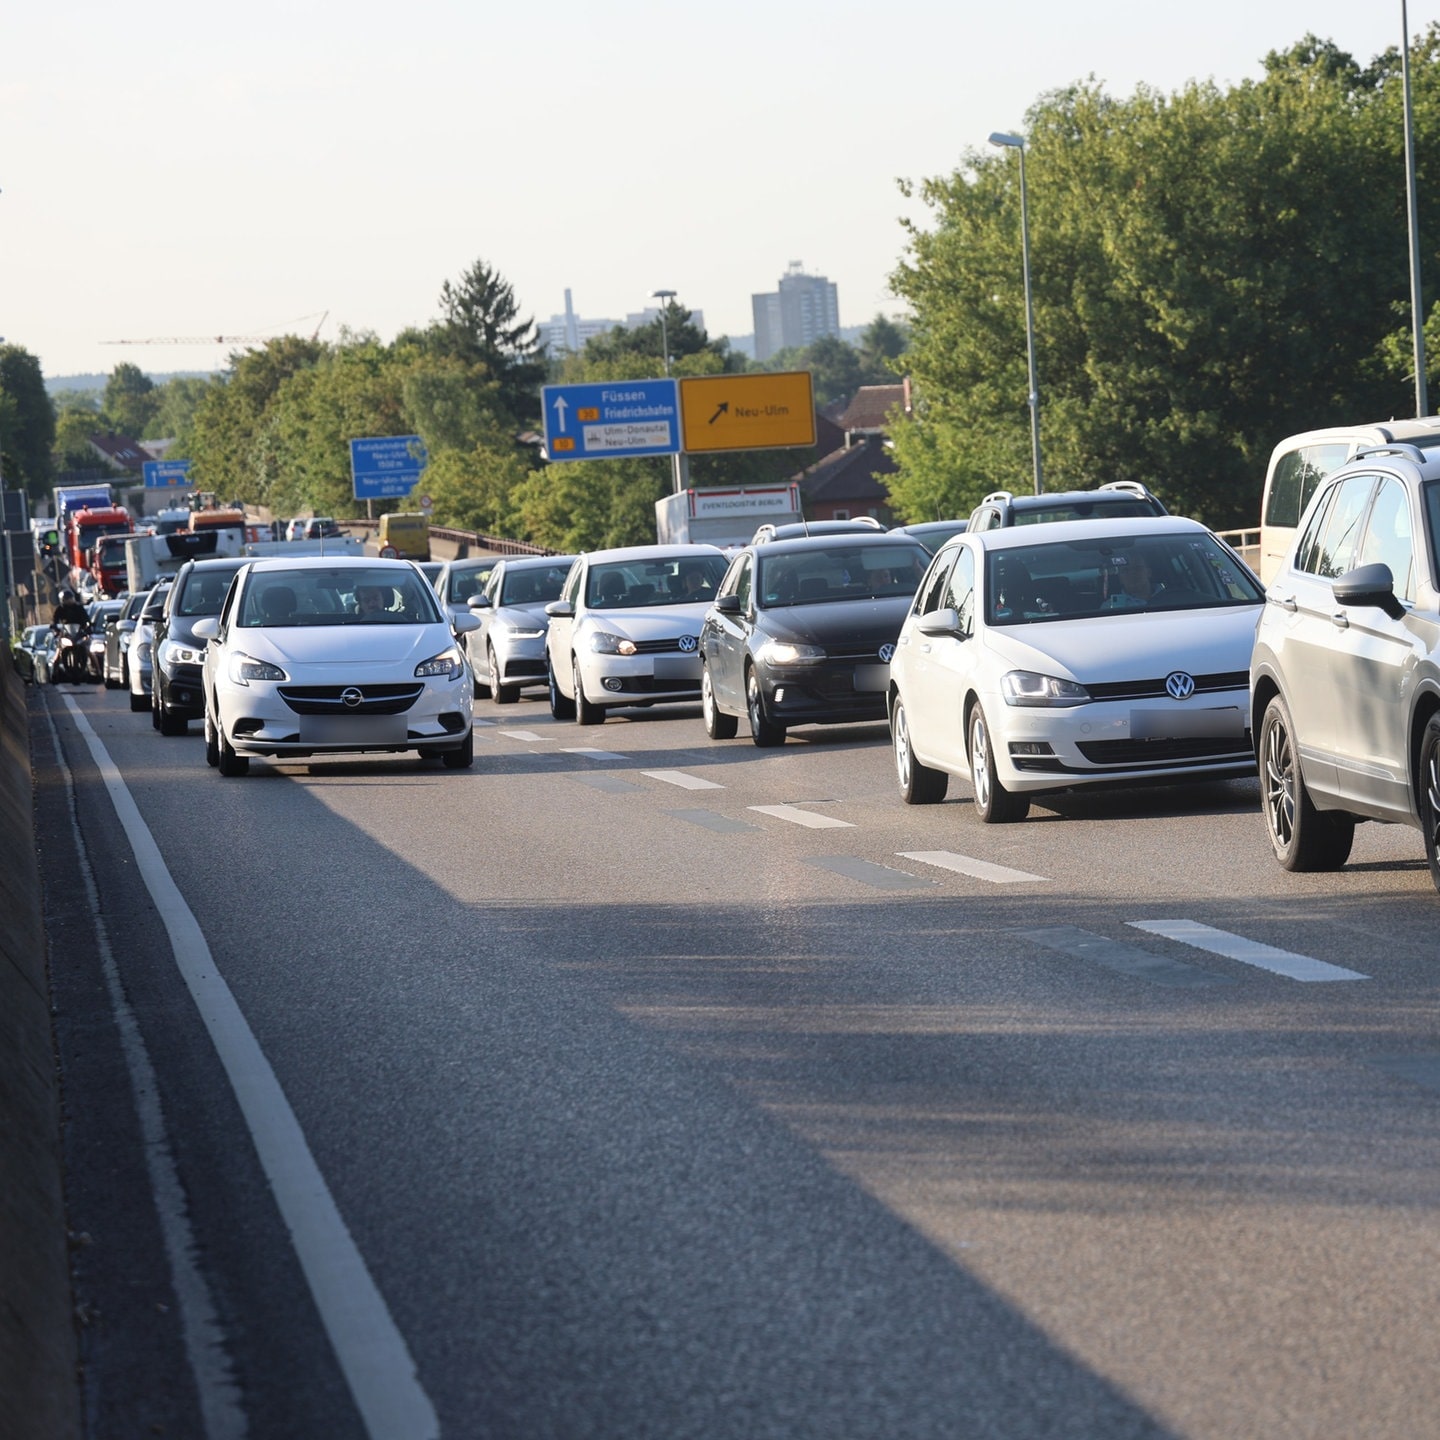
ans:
(1137, 573)
(630, 584)
(462, 584)
(205, 593)
(839, 572)
(533, 586)
(348, 596)
(155, 603)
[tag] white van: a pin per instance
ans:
(1299, 464)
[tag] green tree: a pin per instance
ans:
(176, 403)
(27, 422)
(882, 345)
(130, 401)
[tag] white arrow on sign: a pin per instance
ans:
(561, 407)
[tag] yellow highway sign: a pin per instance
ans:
(747, 412)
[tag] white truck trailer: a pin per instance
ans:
(725, 517)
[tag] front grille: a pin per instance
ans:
(325, 699)
(649, 685)
(525, 667)
(1155, 689)
(1139, 754)
(662, 647)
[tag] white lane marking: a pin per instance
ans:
(222, 1411)
(966, 865)
(1248, 952)
(529, 736)
(372, 1353)
(682, 779)
(589, 752)
(807, 818)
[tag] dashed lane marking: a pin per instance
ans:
(590, 753)
(1127, 959)
(1417, 1069)
(528, 736)
(882, 877)
(967, 865)
(682, 779)
(807, 818)
(1247, 952)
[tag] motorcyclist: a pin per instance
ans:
(70, 611)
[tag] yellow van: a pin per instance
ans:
(407, 534)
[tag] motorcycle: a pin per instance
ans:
(71, 664)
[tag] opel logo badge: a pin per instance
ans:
(351, 697)
(887, 653)
(689, 644)
(1179, 685)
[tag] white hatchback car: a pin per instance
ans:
(319, 656)
(626, 628)
(1041, 658)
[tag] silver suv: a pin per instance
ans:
(1345, 675)
(1115, 500)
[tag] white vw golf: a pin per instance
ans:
(1041, 658)
(327, 656)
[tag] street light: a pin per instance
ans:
(1016, 142)
(1417, 316)
(680, 463)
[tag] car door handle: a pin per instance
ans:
(1285, 602)
(1340, 620)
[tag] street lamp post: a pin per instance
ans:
(1417, 313)
(680, 463)
(1017, 142)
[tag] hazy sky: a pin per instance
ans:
(179, 169)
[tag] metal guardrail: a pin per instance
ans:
(492, 544)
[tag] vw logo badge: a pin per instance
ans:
(689, 644)
(887, 653)
(1179, 685)
(351, 697)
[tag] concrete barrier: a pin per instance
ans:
(39, 1392)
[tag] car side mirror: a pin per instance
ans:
(728, 604)
(125, 626)
(558, 609)
(206, 628)
(940, 622)
(1370, 585)
(464, 624)
(479, 602)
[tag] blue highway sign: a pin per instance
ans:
(386, 467)
(165, 474)
(612, 419)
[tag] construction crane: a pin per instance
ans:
(221, 339)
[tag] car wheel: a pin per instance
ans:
(919, 784)
(229, 763)
(212, 747)
(464, 757)
(994, 804)
(561, 707)
(1429, 799)
(172, 724)
(764, 731)
(585, 712)
(718, 725)
(155, 708)
(500, 694)
(1302, 837)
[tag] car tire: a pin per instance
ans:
(172, 724)
(212, 746)
(585, 712)
(463, 757)
(229, 763)
(994, 804)
(919, 784)
(500, 694)
(1428, 800)
(718, 725)
(139, 702)
(1303, 838)
(764, 731)
(561, 707)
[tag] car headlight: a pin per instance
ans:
(176, 652)
(244, 669)
(784, 652)
(602, 642)
(142, 650)
(447, 665)
(1024, 687)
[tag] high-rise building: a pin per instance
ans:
(795, 315)
(569, 332)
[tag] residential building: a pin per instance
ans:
(796, 314)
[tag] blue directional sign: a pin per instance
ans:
(386, 467)
(165, 474)
(612, 419)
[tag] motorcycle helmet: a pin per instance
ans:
(67, 597)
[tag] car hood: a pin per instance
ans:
(852, 623)
(1112, 648)
(521, 617)
(658, 622)
(343, 644)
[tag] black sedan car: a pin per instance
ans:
(802, 631)
(176, 695)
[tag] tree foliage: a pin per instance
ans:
(130, 402)
(27, 422)
(1211, 270)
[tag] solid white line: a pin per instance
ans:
(967, 865)
(807, 818)
(372, 1353)
(682, 779)
(590, 753)
(221, 1411)
(529, 736)
(1248, 952)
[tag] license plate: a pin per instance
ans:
(677, 667)
(1178, 724)
(870, 679)
(352, 730)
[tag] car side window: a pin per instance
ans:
(931, 594)
(960, 592)
(744, 580)
(572, 582)
(1334, 549)
(1389, 537)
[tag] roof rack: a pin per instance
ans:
(1130, 487)
(997, 497)
(1410, 452)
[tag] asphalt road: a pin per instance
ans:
(633, 1085)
